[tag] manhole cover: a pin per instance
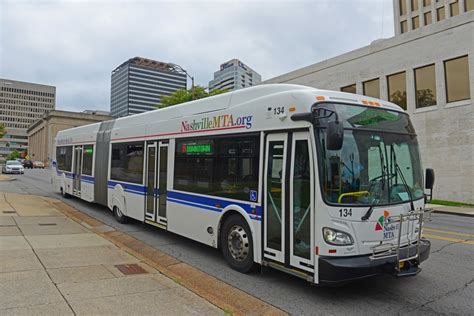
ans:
(47, 224)
(130, 269)
(9, 212)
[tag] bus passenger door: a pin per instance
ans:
(150, 182)
(288, 203)
(162, 176)
(301, 204)
(274, 200)
(77, 171)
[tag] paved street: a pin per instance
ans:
(446, 284)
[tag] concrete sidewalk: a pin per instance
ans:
(455, 210)
(52, 265)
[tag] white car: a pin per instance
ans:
(13, 166)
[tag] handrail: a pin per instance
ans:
(357, 193)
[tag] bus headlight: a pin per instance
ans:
(336, 237)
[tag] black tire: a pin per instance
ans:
(119, 216)
(64, 194)
(237, 244)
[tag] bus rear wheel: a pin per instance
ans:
(119, 216)
(64, 194)
(237, 243)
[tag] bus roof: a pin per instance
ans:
(236, 99)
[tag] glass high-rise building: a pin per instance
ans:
(234, 75)
(139, 83)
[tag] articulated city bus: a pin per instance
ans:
(325, 185)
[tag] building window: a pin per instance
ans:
(414, 5)
(426, 3)
(425, 86)
(372, 88)
(428, 20)
(397, 89)
(457, 79)
(415, 22)
(220, 166)
(64, 158)
(454, 7)
(350, 89)
(468, 5)
(404, 26)
(403, 7)
(127, 162)
(87, 154)
(441, 15)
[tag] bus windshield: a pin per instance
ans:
(379, 162)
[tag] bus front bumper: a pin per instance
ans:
(340, 270)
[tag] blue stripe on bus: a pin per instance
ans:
(209, 203)
(195, 205)
(87, 179)
(127, 187)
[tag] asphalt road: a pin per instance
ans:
(446, 284)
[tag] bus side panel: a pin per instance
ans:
(193, 222)
(132, 204)
(87, 191)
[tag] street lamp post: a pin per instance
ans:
(179, 68)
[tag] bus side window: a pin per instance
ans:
(221, 166)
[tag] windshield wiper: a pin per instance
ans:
(369, 211)
(407, 188)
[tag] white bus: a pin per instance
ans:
(325, 185)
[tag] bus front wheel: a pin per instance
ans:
(237, 243)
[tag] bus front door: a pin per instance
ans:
(288, 202)
(156, 183)
(77, 171)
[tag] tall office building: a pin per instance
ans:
(410, 15)
(21, 104)
(234, 75)
(139, 83)
(429, 72)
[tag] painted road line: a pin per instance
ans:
(448, 232)
(456, 240)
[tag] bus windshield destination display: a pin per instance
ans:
(196, 149)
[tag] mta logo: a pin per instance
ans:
(381, 221)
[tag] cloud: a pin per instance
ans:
(74, 45)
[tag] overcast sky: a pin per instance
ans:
(74, 45)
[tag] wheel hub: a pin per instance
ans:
(238, 243)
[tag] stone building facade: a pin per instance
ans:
(41, 133)
(21, 104)
(430, 72)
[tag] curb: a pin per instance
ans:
(223, 295)
(453, 213)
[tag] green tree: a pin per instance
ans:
(2, 130)
(183, 95)
(13, 155)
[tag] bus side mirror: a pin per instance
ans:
(429, 179)
(335, 135)
(429, 183)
